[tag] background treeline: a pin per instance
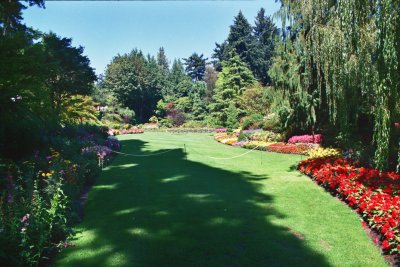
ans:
(196, 91)
(333, 68)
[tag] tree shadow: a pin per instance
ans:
(169, 211)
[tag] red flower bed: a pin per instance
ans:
(287, 148)
(375, 195)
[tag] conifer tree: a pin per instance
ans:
(232, 81)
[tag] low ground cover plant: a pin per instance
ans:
(374, 195)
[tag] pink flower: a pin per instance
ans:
(25, 217)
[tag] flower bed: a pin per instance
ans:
(261, 140)
(374, 195)
(37, 193)
(288, 148)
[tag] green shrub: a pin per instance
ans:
(272, 123)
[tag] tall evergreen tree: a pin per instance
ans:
(239, 40)
(210, 77)
(262, 47)
(163, 64)
(254, 45)
(240, 35)
(162, 61)
(195, 66)
(232, 81)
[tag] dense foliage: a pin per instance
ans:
(47, 150)
(339, 60)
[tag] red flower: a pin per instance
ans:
(389, 235)
(385, 244)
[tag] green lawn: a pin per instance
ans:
(256, 210)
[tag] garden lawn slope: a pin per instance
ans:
(256, 210)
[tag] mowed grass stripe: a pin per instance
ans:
(255, 210)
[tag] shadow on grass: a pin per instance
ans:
(167, 211)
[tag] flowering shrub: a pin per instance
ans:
(375, 195)
(315, 139)
(320, 152)
(220, 130)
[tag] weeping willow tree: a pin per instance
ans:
(346, 55)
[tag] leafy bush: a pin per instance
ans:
(153, 119)
(166, 122)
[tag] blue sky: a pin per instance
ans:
(106, 28)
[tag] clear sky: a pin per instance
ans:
(106, 28)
